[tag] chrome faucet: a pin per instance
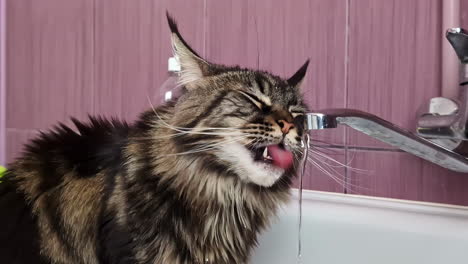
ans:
(442, 130)
(445, 121)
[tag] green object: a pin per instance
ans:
(2, 172)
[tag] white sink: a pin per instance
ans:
(350, 229)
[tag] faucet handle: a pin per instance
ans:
(458, 38)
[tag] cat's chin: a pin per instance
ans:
(267, 174)
(247, 168)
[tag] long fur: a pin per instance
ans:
(177, 186)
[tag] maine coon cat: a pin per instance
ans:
(193, 181)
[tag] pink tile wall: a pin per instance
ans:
(3, 135)
(394, 60)
(16, 139)
(123, 58)
(464, 13)
(49, 65)
(386, 174)
(403, 176)
(107, 57)
(394, 67)
(50, 61)
(132, 46)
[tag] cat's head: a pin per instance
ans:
(249, 121)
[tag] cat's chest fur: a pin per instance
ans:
(186, 213)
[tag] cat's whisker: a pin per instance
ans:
(206, 128)
(327, 159)
(328, 150)
(331, 171)
(211, 146)
(185, 129)
(188, 132)
(199, 129)
(181, 132)
(330, 168)
(339, 164)
(173, 135)
(224, 142)
(197, 150)
(326, 172)
(232, 131)
(337, 176)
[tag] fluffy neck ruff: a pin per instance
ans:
(214, 216)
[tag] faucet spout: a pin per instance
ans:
(389, 133)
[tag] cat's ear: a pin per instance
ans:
(297, 78)
(193, 66)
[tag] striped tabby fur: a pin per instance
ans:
(180, 185)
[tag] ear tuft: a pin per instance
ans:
(172, 23)
(193, 66)
(175, 31)
(297, 78)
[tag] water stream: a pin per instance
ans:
(305, 145)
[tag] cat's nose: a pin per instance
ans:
(285, 126)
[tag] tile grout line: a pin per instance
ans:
(346, 83)
(2, 82)
(344, 147)
(21, 129)
(205, 18)
(93, 60)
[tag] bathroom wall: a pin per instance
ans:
(2, 85)
(71, 58)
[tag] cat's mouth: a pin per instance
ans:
(276, 155)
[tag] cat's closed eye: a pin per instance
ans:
(255, 100)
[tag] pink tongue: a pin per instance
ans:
(281, 157)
